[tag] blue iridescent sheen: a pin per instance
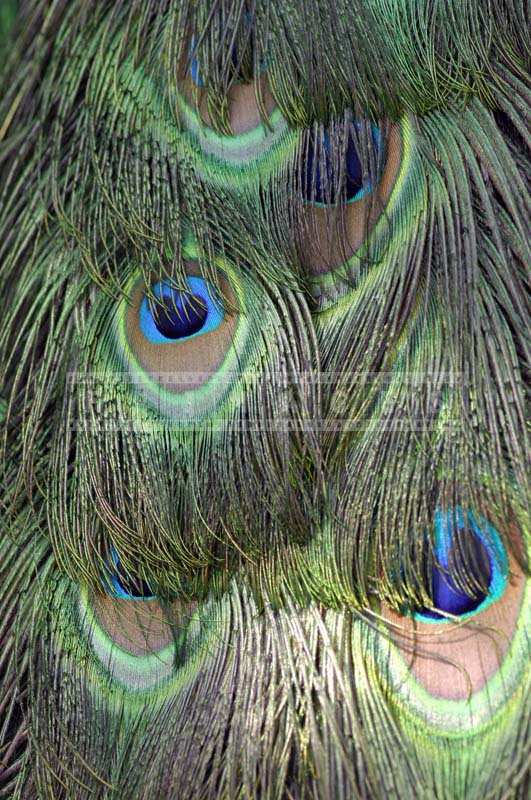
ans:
(195, 72)
(122, 586)
(491, 567)
(177, 315)
(328, 189)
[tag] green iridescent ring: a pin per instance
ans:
(237, 163)
(161, 673)
(222, 387)
(388, 237)
(244, 151)
(234, 163)
(501, 695)
(507, 686)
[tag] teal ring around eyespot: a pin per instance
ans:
(222, 390)
(461, 718)
(503, 693)
(112, 585)
(199, 288)
(490, 540)
(366, 189)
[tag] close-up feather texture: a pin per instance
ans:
(264, 366)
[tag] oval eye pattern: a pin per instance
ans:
(171, 314)
(118, 583)
(327, 180)
(176, 338)
(487, 568)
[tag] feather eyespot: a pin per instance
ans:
(336, 172)
(224, 97)
(487, 568)
(469, 622)
(172, 314)
(121, 585)
(177, 338)
(350, 177)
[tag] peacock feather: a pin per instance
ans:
(263, 372)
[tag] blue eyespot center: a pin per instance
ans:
(171, 314)
(178, 314)
(487, 567)
(327, 179)
(449, 597)
(124, 586)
